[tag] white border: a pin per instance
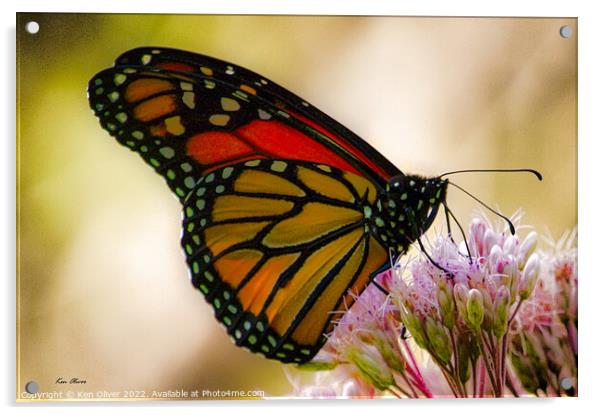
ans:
(590, 135)
(346, 7)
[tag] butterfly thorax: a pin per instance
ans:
(406, 209)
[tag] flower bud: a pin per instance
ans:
(438, 340)
(529, 277)
(511, 270)
(366, 336)
(489, 241)
(527, 248)
(530, 362)
(511, 245)
(496, 263)
(477, 274)
(387, 351)
(476, 233)
(446, 305)
(524, 372)
(501, 305)
(413, 325)
(371, 366)
(488, 297)
(492, 283)
(460, 294)
(474, 309)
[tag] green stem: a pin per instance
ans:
(394, 392)
(417, 374)
(505, 343)
(405, 378)
(446, 373)
(489, 365)
(475, 376)
(455, 367)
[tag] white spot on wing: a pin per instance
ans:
(263, 115)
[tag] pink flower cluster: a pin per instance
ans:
(458, 306)
(455, 318)
(544, 335)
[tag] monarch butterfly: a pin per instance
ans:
(286, 212)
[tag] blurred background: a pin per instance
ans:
(104, 293)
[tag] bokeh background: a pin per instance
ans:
(104, 293)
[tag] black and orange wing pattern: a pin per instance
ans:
(275, 245)
(178, 108)
(273, 263)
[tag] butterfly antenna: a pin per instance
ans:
(535, 172)
(508, 221)
(448, 210)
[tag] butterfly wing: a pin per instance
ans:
(273, 190)
(275, 246)
(188, 114)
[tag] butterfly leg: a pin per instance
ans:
(405, 334)
(412, 218)
(448, 211)
(380, 287)
(431, 260)
(376, 284)
(449, 230)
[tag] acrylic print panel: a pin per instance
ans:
(286, 221)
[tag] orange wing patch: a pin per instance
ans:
(376, 257)
(235, 265)
(221, 237)
(361, 186)
(310, 328)
(285, 241)
(175, 66)
(325, 185)
(155, 108)
(255, 293)
(237, 207)
(145, 87)
(253, 181)
(322, 219)
(288, 301)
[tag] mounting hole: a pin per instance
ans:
(566, 31)
(31, 387)
(566, 383)
(32, 27)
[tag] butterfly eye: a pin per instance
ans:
(398, 181)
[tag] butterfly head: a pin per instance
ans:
(411, 203)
